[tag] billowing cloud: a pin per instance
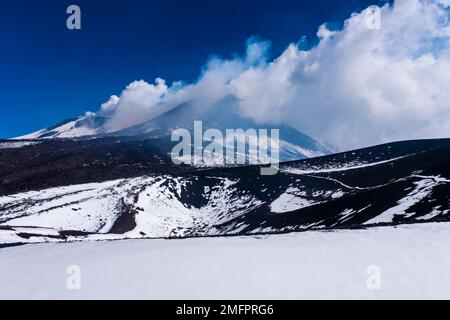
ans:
(141, 101)
(137, 100)
(359, 86)
(109, 107)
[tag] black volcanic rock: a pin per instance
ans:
(402, 182)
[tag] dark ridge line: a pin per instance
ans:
(246, 235)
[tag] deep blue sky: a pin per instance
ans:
(48, 73)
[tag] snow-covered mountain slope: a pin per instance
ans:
(84, 126)
(411, 261)
(405, 182)
(222, 115)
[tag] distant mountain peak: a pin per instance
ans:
(223, 114)
(84, 126)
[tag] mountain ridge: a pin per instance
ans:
(390, 184)
(223, 114)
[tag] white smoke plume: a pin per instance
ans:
(359, 86)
